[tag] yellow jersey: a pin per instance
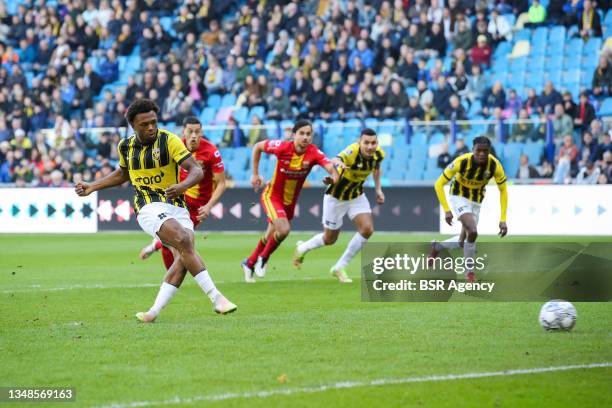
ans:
(350, 183)
(469, 179)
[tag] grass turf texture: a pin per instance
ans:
(287, 334)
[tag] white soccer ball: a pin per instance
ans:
(558, 315)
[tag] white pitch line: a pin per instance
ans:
(353, 384)
(39, 288)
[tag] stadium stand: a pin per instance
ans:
(421, 74)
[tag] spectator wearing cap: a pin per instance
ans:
(481, 53)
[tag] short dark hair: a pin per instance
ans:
(367, 132)
(140, 106)
(300, 124)
(191, 120)
(483, 140)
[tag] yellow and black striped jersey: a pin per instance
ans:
(469, 179)
(350, 183)
(154, 167)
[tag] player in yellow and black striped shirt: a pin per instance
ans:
(150, 159)
(469, 174)
(356, 162)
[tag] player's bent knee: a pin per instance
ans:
(330, 239)
(366, 232)
(184, 242)
(471, 234)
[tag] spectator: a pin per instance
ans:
(233, 135)
(596, 129)
(546, 170)
(435, 45)
(566, 161)
(463, 38)
(513, 105)
(549, 98)
(606, 168)
(444, 158)
(584, 112)
(523, 129)
(364, 54)
(494, 98)
(588, 150)
(497, 130)
(257, 132)
(531, 102)
(455, 110)
(414, 110)
(604, 147)
(536, 14)
(397, 101)
(408, 70)
(476, 84)
(109, 70)
(526, 170)
(588, 174)
(568, 104)
(279, 106)
(499, 29)
(57, 179)
(481, 53)
(602, 78)
(213, 79)
(589, 22)
(460, 148)
(562, 123)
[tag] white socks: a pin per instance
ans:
(313, 243)
(469, 250)
(166, 291)
(351, 250)
(451, 243)
(207, 285)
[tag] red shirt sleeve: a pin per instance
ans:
(320, 158)
(273, 147)
(216, 162)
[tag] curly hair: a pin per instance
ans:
(140, 106)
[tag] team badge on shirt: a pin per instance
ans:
(306, 164)
(487, 174)
(156, 154)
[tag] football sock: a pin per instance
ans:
(158, 245)
(167, 257)
(271, 245)
(261, 244)
(469, 250)
(313, 243)
(207, 285)
(166, 291)
(351, 250)
(451, 243)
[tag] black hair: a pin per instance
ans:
(483, 140)
(300, 124)
(367, 132)
(191, 120)
(140, 106)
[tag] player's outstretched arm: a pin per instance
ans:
(194, 175)
(380, 196)
(333, 174)
(503, 201)
(219, 179)
(116, 178)
(256, 179)
(439, 187)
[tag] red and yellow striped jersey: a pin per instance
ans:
(209, 158)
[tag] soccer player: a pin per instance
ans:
(356, 163)
(469, 174)
(150, 159)
(295, 159)
(203, 196)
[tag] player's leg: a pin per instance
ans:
(360, 213)
(333, 213)
(459, 205)
(173, 233)
(469, 223)
(172, 281)
(150, 249)
(280, 230)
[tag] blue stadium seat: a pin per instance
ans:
(534, 152)
(539, 36)
(400, 151)
(522, 35)
(418, 152)
(214, 101)
(437, 138)
(207, 115)
(414, 174)
(606, 107)
(228, 100)
(556, 35)
(432, 173)
(257, 111)
(240, 114)
(592, 47)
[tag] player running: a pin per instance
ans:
(150, 159)
(203, 196)
(469, 174)
(356, 163)
(295, 159)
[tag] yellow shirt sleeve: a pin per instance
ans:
(348, 155)
(177, 149)
(500, 179)
(444, 178)
(122, 162)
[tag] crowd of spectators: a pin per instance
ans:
(318, 59)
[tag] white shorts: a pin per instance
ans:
(334, 210)
(461, 205)
(153, 215)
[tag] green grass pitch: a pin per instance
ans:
(68, 303)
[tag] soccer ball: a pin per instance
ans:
(558, 315)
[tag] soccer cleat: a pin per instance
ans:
(260, 267)
(149, 249)
(224, 306)
(433, 254)
(340, 273)
(298, 257)
(248, 272)
(471, 276)
(146, 317)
